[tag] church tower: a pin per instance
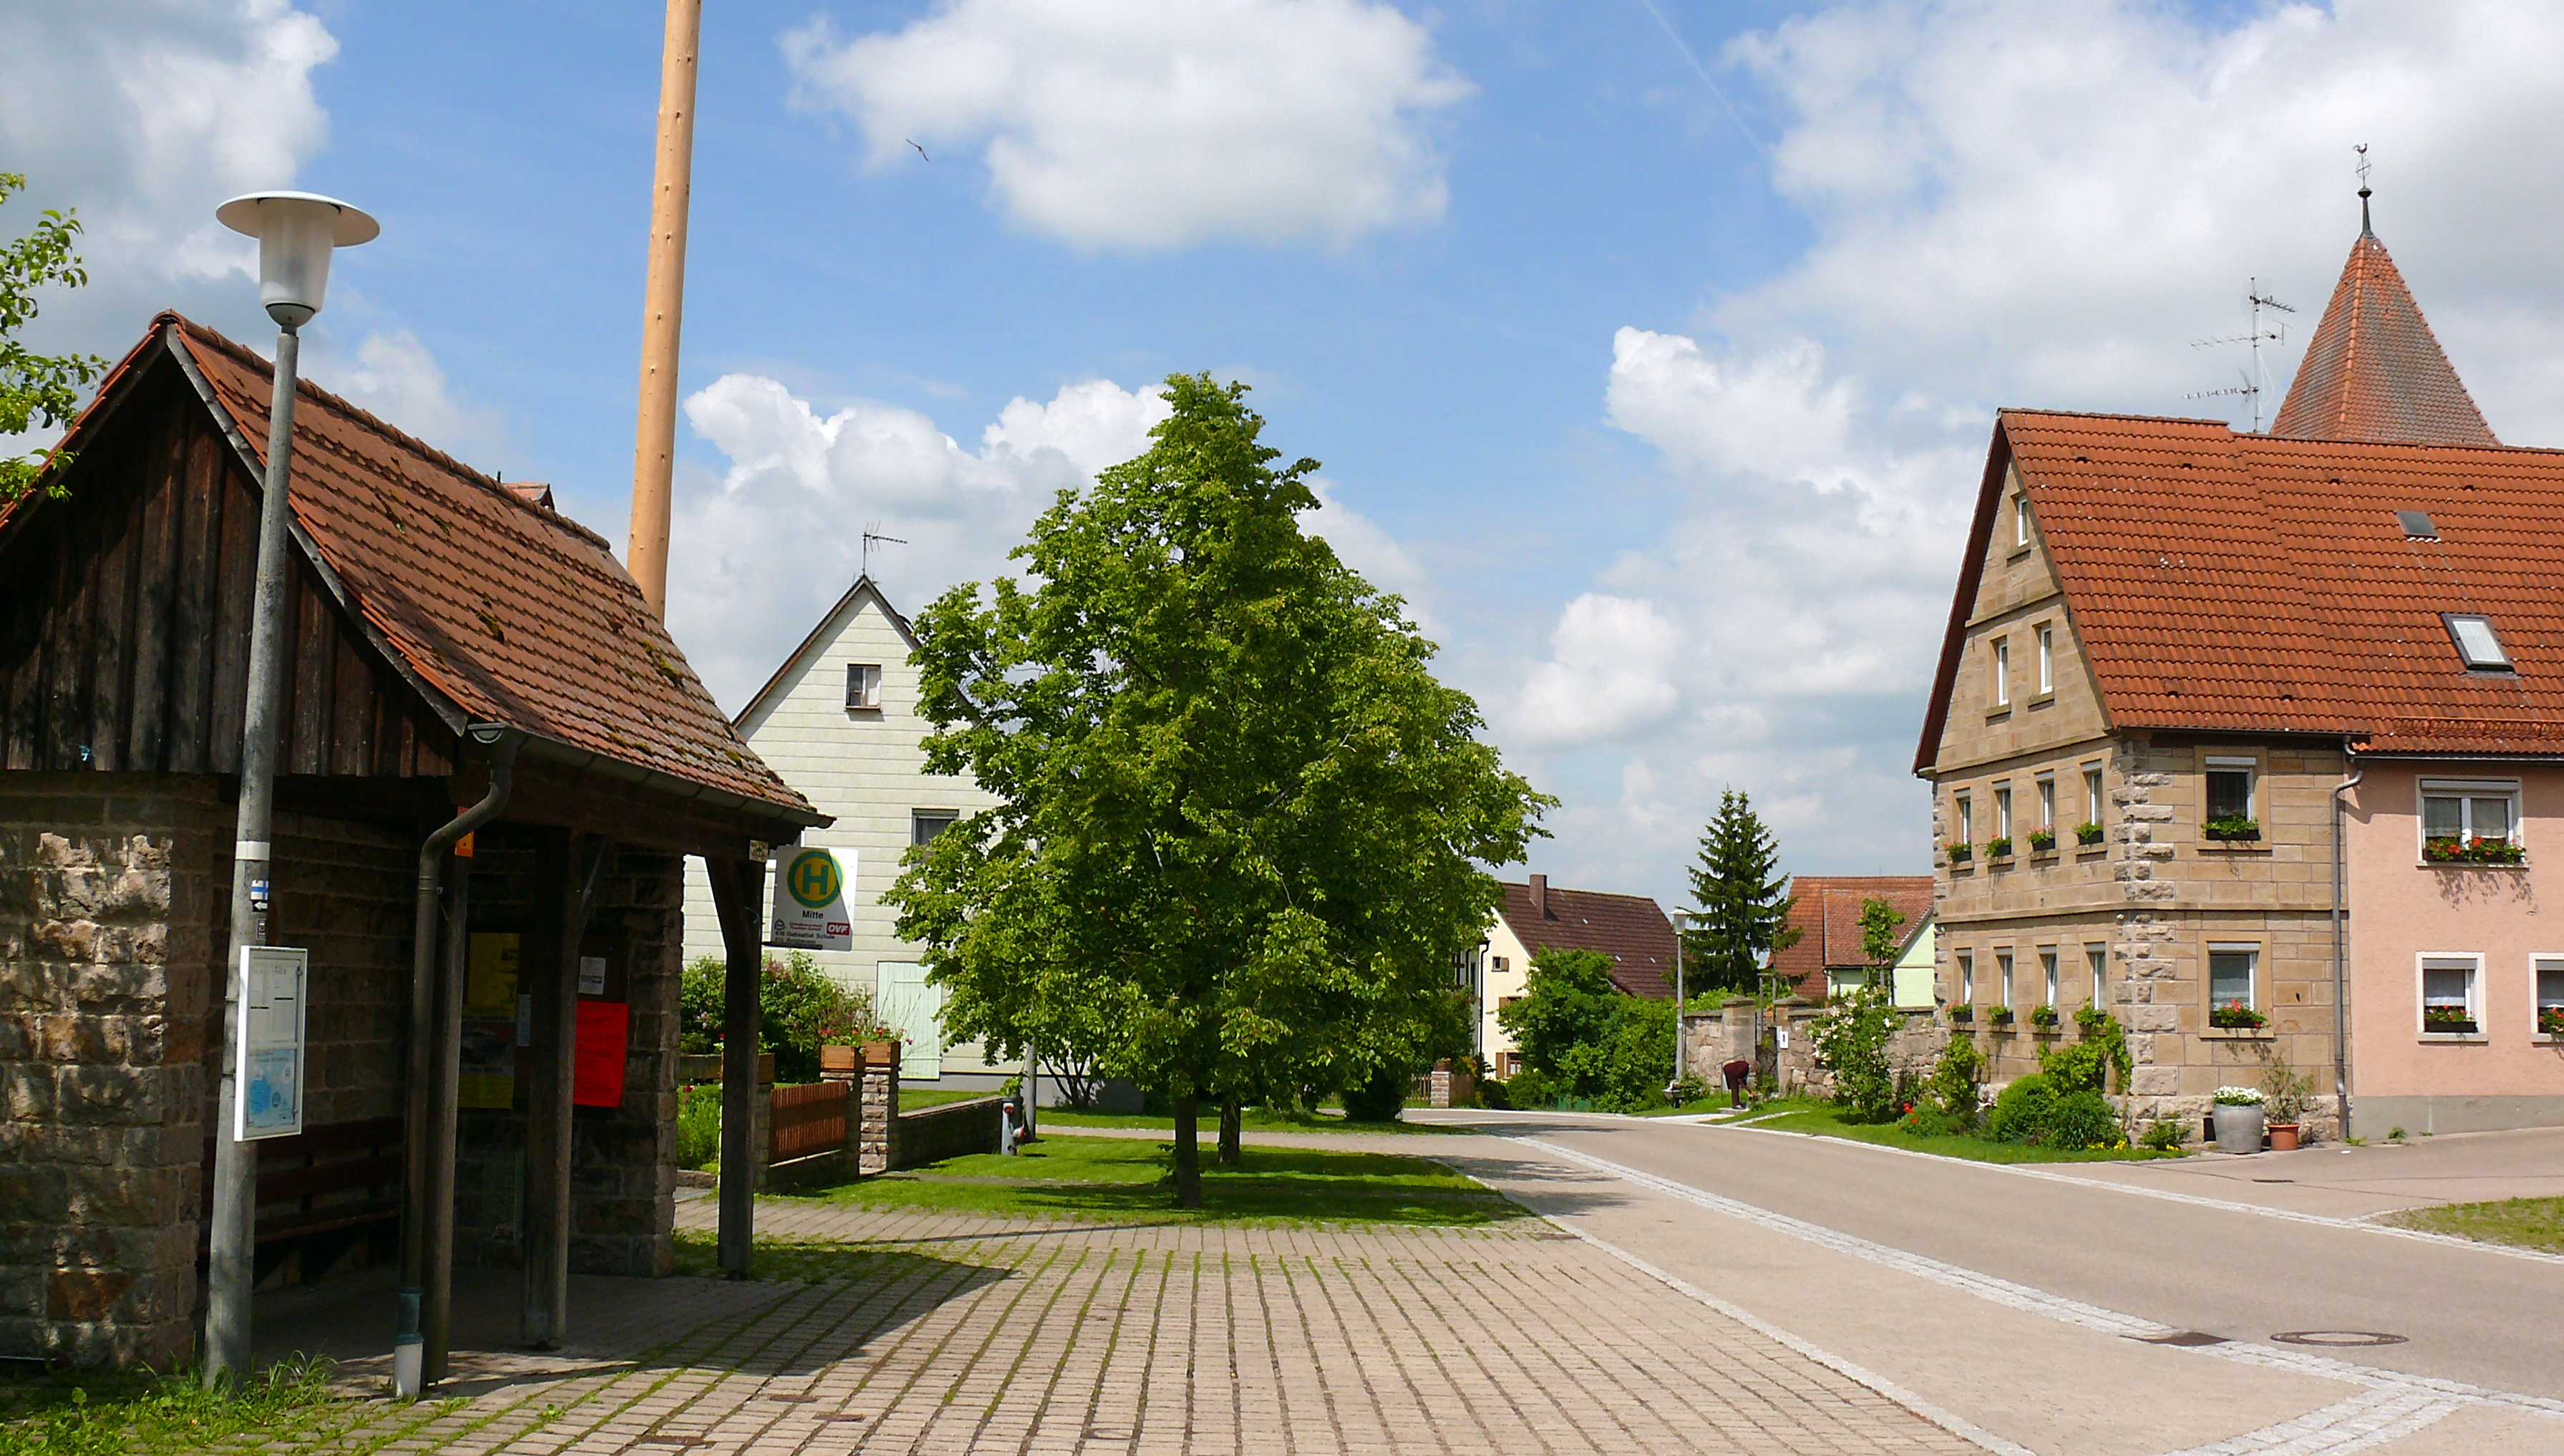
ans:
(2375, 371)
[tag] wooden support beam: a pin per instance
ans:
(565, 888)
(445, 1088)
(738, 888)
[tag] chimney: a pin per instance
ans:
(1540, 896)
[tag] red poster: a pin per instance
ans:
(604, 1035)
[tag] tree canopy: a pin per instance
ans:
(37, 389)
(1581, 1036)
(1241, 828)
(1744, 915)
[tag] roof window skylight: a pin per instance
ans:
(2476, 644)
(2417, 525)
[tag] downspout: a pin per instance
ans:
(408, 1347)
(2340, 976)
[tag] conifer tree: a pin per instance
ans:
(1744, 910)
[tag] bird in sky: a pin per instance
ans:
(921, 151)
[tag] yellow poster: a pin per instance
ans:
(489, 977)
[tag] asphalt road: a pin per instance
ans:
(1886, 1259)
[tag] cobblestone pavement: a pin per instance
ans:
(972, 1334)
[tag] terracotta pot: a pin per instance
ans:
(2283, 1137)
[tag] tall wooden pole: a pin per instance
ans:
(664, 305)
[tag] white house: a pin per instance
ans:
(838, 720)
(1631, 929)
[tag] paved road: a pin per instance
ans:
(2023, 1301)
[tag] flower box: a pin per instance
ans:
(1960, 853)
(2451, 850)
(1963, 1015)
(2235, 1016)
(1999, 849)
(2087, 834)
(2044, 1017)
(2000, 1016)
(2550, 1022)
(2448, 1020)
(2234, 830)
(2041, 840)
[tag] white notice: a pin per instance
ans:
(591, 975)
(810, 901)
(269, 1052)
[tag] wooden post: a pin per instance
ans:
(550, 1074)
(664, 305)
(445, 1090)
(738, 888)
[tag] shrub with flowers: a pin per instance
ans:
(2239, 1097)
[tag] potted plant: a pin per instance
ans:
(2448, 1020)
(2290, 1089)
(2550, 1022)
(1963, 1015)
(2235, 1016)
(2238, 1119)
(2233, 827)
(2041, 840)
(2087, 833)
(2451, 850)
(2044, 1017)
(1960, 853)
(1999, 849)
(2000, 1017)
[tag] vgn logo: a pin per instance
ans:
(810, 903)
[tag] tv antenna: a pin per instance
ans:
(870, 537)
(2257, 379)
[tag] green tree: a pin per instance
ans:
(1236, 811)
(1744, 912)
(1882, 929)
(37, 389)
(1586, 1037)
(1852, 1038)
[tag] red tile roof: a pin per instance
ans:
(512, 612)
(2238, 582)
(1627, 927)
(2375, 371)
(1825, 910)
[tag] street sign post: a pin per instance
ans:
(810, 901)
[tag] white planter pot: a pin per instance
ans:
(2239, 1129)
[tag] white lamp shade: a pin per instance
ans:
(296, 232)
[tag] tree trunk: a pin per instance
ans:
(1187, 1155)
(1230, 1119)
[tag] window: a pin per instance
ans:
(2449, 994)
(2047, 660)
(2477, 647)
(2550, 996)
(2466, 810)
(2046, 801)
(1503, 1001)
(2047, 965)
(1967, 979)
(2229, 788)
(1966, 818)
(2092, 793)
(863, 684)
(2002, 671)
(925, 824)
(2098, 958)
(2230, 976)
(2003, 811)
(1501, 964)
(2020, 520)
(2003, 972)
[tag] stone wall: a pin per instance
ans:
(107, 890)
(1714, 1038)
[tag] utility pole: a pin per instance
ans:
(663, 307)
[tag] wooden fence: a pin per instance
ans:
(806, 1120)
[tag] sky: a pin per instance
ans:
(1651, 347)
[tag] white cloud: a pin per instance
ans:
(1363, 544)
(1609, 674)
(771, 543)
(1154, 123)
(394, 377)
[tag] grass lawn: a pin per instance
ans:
(1130, 1178)
(90, 1413)
(1823, 1119)
(916, 1099)
(2530, 1224)
(1252, 1119)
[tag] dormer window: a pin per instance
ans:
(2477, 647)
(863, 686)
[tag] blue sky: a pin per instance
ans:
(1660, 387)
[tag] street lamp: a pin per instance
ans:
(296, 232)
(1674, 1089)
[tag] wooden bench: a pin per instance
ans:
(338, 1176)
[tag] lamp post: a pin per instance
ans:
(296, 232)
(1673, 1093)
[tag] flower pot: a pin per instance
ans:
(2239, 1129)
(2283, 1137)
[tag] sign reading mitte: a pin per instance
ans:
(810, 901)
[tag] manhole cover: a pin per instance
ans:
(2185, 1338)
(2339, 1339)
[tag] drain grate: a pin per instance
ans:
(2340, 1339)
(2186, 1338)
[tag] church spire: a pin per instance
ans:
(2374, 370)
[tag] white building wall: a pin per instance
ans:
(867, 769)
(1507, 970)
